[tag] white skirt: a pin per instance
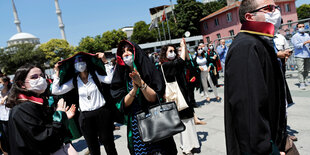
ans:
(189, 138)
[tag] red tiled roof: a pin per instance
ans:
(224, 9)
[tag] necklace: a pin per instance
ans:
(87, 94)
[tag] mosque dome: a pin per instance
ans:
(22, 37)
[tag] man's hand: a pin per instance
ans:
(282, 54)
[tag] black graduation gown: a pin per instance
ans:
(32, 130)
(175, 70)
(254, 97)
(153, 78)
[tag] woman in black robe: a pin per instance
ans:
(33, 127)
(174, 68)
(134, 86)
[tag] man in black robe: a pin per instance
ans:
(255, 116)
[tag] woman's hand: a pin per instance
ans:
(209, 68)
(214, 57)
(135, 76)
(61, 106)
(56, 68)
(102, 57)
(70, 112)
(3, 100)
(201, 68)
(183, 43)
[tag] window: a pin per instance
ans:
(231, 32)
(289, 25)
(287, 7)
(216, 21)
(218, 35)
(228, 15)
(205, 26)
(208, 39)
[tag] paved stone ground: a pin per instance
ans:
(211, 135)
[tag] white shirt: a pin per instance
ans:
(90, 97)
(280, 42)
(4, 111)
(202, 62)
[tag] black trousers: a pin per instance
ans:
(98, 124)
(4, 136)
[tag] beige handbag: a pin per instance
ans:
(173, 93)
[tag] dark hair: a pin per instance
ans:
(245, 7)
(7, 79)
(300, 23)
(18, 81)
(162, 56)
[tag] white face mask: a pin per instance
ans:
(128, 60)
(200, 51)
(274, 18)
(301, 30)
(38, 85)
(211, 47)
(80, 66)
(171, 55)
(1, 86)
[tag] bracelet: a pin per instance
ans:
(143, 87)
(131, 95)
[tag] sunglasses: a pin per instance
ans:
(269, 8)
(79, 59)
(35, 76)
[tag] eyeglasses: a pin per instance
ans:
(35, 76)
(269, 8)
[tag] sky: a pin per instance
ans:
(81, 17)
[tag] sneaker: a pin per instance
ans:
(302, 86)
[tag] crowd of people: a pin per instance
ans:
(88, 94)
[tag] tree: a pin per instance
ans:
(15, 56)
(188, 13)
(111, 38)
(303, 11)
(87, 45)
(142, 34)
(56, 50)
(101, 43)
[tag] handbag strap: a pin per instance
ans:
(162, 70)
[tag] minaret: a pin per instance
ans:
(61, 25)
(16, 21)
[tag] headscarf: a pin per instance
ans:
(67, 70)
(149, 74)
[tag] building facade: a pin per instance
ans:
(225, 23)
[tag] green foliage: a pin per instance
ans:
(303, 11)
(15, 56)
(56, 50)
(111, 38)
(211, 7)
(142, 34)
(107, 41)
(189, 12)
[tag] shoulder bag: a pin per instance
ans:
(173, 93)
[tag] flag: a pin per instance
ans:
(164, 16)
(153, 24)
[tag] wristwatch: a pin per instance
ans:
(143, 86)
